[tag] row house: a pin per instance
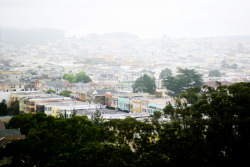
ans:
(137, 103)
(11, 75)
(28, 104)
(4, 87)
(158, 104)
(125, 104)
(14, 97)
(56, 85)
(80, 95)
(17, 87)
(124, 101)
(127, 85)
(108, 99)
(30, 86)
(144, 105)
(93, 94)
(12, 87)
(71, 107)
(136, 106)
(114, 101)
(40, 84)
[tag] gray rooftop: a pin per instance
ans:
(10, 132)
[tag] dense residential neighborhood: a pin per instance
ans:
(120, 100)
(30, 72)
(124, 83)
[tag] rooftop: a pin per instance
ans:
(10, 132)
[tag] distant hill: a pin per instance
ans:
(35, 36)
(122, 35)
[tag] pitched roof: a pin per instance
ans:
(101, 92)
(10, 132)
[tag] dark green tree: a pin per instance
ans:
(100, 100)
(82, 77)
(217, 126)
(233, 66)
(155, 119)
(144, 84)
(33, 73)
(131, 132)
(96, 154)
(164, 73)
(192, 95)
(14, 108)
(214, 131)
(146, 71)
(214, 73)
(69, 77)
(185, 79)
(97, 118)
(50, 91)
(3, 108)
(225, 65)
(65, 93)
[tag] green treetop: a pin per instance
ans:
(80, 77)
(186, 78)
(144, 84)
(164, 73)
(214, 73)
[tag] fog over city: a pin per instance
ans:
(115, 42)
(124, 83)
(147, 19)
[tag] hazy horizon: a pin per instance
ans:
(146, 19)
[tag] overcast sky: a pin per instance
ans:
(145, 18)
